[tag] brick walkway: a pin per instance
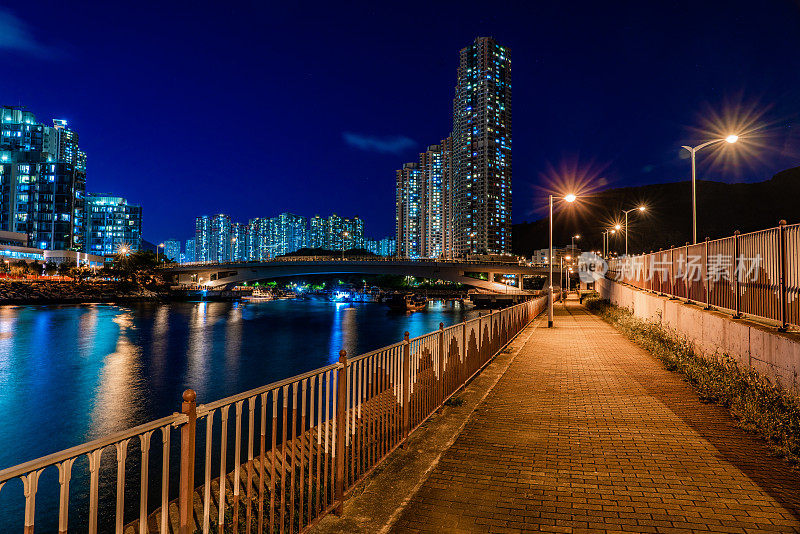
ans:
(586, 432)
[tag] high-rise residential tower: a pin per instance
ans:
(172, 249)
(188, 255)
(482, 150)
(409, 207)
(423, 204)
(112, 224)
(288, 233)
(258, 236)
(435, 164)
(220, 250)
(336, 233)
(42, 181)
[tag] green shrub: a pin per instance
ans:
(756, 403)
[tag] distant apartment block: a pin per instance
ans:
(112, 223)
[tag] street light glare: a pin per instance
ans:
(570, 198)
(732, 138)
(642, 208)
(617, 227)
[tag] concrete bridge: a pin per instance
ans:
(495, 277)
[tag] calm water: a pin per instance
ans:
(69, 374)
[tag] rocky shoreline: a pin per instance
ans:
(74, 292)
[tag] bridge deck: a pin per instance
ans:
(586, 432)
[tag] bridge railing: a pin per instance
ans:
(755, 274)
(276, 458)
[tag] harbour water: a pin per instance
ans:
(72, 373)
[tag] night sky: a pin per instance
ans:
(256, 108)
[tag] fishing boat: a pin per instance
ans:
(259, 295)
(407, 302)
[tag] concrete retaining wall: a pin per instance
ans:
(774, 354)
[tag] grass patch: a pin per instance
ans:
(756, 403)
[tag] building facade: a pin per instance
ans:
(289, 233)
(409, 207)
(188, 252)
(112, 224)
(172, 249)
(336, 233)
(42, 181)
(482, 150)
(202, 238)
(381, 247)
(220, 249)
(238, 242)
(258, 239)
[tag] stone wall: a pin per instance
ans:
(774, 354)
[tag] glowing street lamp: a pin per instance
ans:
(626, 212)
(693, 150)
(160, 245)
(605, 240)
(576, 236)
(569, 198)
(344, 235)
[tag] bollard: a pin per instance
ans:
(189, 407)
(341, 418)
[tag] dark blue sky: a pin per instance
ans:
(251, 109)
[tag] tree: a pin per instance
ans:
(50, 268)
(20, 267)
(64, 267)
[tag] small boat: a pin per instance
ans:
(407, 302)
(259, 295)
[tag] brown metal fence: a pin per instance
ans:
(279, 457)
(756, 274)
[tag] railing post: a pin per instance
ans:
(782, 267)
(441, 363)
(736, 276)
(672, 289)
(341, 430)
(480, 334)
(406, 386)
(707, 280)
(186, 493)
(686, 274)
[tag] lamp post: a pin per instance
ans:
(606, 237)
(626, 212)
(160, 245)
(569, 198)
(566, 273)
(344, 236)
(576, 236)
(693, 150)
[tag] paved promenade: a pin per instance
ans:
(585, 432)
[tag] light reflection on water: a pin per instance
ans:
(84, 371)
(69, 374)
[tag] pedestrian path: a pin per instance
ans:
(586, 432)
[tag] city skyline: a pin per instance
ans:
(627, 117)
